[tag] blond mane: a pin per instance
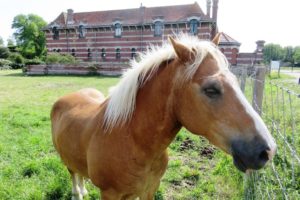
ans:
(122, 98)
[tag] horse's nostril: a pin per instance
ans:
(263, 156)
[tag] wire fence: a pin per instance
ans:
(279, 107)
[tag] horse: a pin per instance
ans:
(120, 142)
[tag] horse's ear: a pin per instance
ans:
(182, 52)
(216, 39)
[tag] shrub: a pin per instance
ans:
(35, 61)
(5, 64)
(4, 52)
(56, 58)
(16, 58)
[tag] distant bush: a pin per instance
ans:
(56, 58)
(4, 52)
(35, 61)
(17, 60)
(5, 64)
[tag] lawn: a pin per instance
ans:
(31, 169)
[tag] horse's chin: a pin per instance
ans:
(239, 164)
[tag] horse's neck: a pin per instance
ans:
(154, 124)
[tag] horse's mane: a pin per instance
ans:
(122, 98)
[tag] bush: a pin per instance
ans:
(4, 52)
(5, 64)
(16, 58)
(56, 58)
(35, 61)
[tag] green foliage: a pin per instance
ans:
(5, 64)
(296, 55)
(56, 58)
(16, 58)
(4, 52)
(29, 36)
(273, 52)
(288, 54)
(1, 41)
(10, 42)
(35, 61)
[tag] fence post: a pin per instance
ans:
(258, 88)
(243, 78)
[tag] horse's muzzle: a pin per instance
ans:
(252, 154)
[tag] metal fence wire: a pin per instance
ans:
(279, 108)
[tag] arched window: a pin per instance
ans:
(103, 53)
(55, 33)
(118, 53)
(118, 30)
(58, 50)
(73, 52)
(158, 25)
(133, 53)
(194, 26)
(81, 31)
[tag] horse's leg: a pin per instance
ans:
(150, 194)
(76, 194)
(82, 188)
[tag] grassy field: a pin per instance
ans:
(31, 169)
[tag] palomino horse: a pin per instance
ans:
(120, 142)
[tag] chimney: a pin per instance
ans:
(260, 45)
(215, 10)
(70, 19)
(208, 7)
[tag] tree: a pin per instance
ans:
(288, 54)
(273, 52)
(296, 55)
(29, 36)
(10, 42)
(4, 52)
(1, 42)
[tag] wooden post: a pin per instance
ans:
(258, 88)
(243, 78)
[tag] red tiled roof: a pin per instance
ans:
(226, 39)
(178, 13)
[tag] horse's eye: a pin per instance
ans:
(212, 92)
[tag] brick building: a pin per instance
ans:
(111, 38)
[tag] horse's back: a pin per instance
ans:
(73, 118)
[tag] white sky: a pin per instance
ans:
(276, 21)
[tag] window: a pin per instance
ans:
(58, 50)
(194, 26)
(158, 28)
(73, 52)
(89, 54)
(133, 53)
(118, 53)
(103, 53)
(118, 30)
(81, 31)
(55, 32)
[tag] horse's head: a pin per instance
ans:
(210, 103)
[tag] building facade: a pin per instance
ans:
(111, 38)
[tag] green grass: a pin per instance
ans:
(31, 169)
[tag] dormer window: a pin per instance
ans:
(81, 31)
(158, 25)
(118, 30)
(55, 33)
(194, 26)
